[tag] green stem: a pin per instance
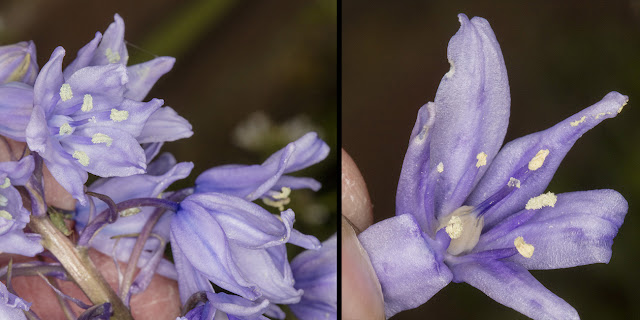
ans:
(79, 266)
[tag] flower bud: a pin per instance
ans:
(18, 63)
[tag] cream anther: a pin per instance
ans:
(577, 122)
(65, 92)
(6, 183)
(482, 159)
(112, 56)
(82, 157)
(3, 201)
(440, 167)
(463, 227)
(101, 138)
(65, 129)
(282, 195)
(525, 249)
(5, 214)
(544, 200)
(277, 204)
(119, 115)
(513, 182)
(538, 160)
(87, 103)
(130, 212)
(454, 228)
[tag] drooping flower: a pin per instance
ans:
(468, 211)
(161, 173)
(268, 180)
(13, 216)
(18, 63)
(81, 122)
(221, 306)
(316, 273)
(235, 244)
(12, 307)
(164, 124)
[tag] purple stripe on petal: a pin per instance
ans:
(514, 287)
(516, 159)
(408, 268)
(16, 106)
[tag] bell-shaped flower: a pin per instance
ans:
(268, 180)
(161, 173)
(81, 122)
(224, 306)
(164, 124)
(18, 63)
(469, 211)
(13, 216)
(12, 307)
(235, 244)
(316, 273)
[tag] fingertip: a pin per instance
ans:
(356, 204)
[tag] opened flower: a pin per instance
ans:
(469, 211)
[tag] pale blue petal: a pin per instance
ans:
(165, 125)
(144, 75)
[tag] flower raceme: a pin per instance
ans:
(471, 211)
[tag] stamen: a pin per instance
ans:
(101, 138)
(482, 159)
(282, 195)
(544, 200)
(130, 212)
(6, 183)
(577, 122)
(525, 249)
(65, 129)
(440, 167)
(513, 182)
(112, 56)
(3, 201)
(277, 204)
(454, 228)
(65, 92)
(82, 157)
(538, 160)
(87, 103)
(119, 115)
(5, 214)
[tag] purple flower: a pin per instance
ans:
(13, 216)
(222, 304)
(161, 173)
(468, 211)
(316, 273)
(12, 307)
(268, 180)
(235, 244)
(164, 124)
(18, 63)
(81, 122)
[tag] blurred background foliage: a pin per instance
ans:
(562, 56)
(250, 76)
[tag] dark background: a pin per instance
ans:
(561, 56)
(234, 58)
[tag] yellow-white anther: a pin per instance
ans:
(65, 129)
(65, 92)
(6, 183)
(577, 122)
(3, 201)
(451, 71)
(513, 182)
(119, 115)
(82, 157)
(482, 159)
(87, 103)
(282, 195)
(440, 167)
(277, 204)
(621, 107)
(454, 227)
(112, 56)
(538, 160)
(130, 212)
(544, 200)
(5, 214)
(525, 249)
(101, 138)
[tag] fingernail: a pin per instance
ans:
(361, 292)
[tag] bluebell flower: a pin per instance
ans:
(164, 124)
(81, 122)
(268, 180)
(235, 244)
(13, 216)
(469, 211)
(12, 307)
(18, 63)
(161, 173)
(316, 273)
(219, 305)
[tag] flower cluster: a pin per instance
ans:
(469, 210)
(93, 117)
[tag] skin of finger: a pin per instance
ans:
(361, 292)
(356, 205)
(160, 300)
